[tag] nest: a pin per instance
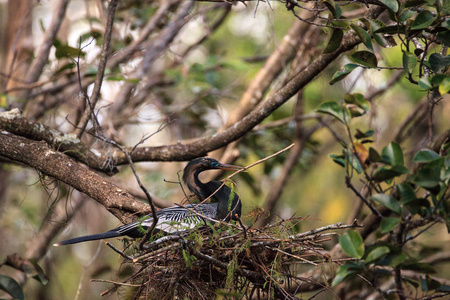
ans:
(225, 259)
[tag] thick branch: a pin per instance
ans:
(13, 122)
(39, 156)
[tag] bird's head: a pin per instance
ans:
(198, 165)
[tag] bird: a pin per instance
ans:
(225, 206)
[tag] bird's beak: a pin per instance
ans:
(230, 167)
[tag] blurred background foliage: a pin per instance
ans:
(195, 94)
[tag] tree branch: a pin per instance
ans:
(39, 156)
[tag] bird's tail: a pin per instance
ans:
(92, 237)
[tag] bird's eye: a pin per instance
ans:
(214, 164)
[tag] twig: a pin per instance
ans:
(49, 38)
(115, 282)
(118, 251)
(101, 69)
(369, 205)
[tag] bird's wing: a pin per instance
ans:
(172, 219)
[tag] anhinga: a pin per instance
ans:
(226, 206)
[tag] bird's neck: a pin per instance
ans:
(228, 201)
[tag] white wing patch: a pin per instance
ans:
(176, 218)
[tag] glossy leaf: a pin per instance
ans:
(388, 201)
(354, 161)
(406, 192)
(409, 61)
(348, 270)
(393, 154)
(389, 223)
(423, 20)
(352, 244)
(438, 61)
(425, 83)
(394, 259)
(339, 159)
(341, 74)
(10, 286)
(335, 41)
(336, 110)
(427, 177)
(391, 4)
(444, 37)
(405, 15)
(334, 8)
(387, 173)
(425, 156)
(365, 58)
(363, 35)
(377, 253)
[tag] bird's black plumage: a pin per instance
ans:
(226, 205)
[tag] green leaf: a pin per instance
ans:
(393, 154)
(353, 161)
(426, 155)
(429, 284)
(391, 4)
(336, 110)
(365, 58)
(394, 259)
(67, 51)
(444, 37)
(389, 223)
(444, 86)
(388, 201)
(387, 173)
(346, 271)
(409, 61)
(377, 253)
(425, 83)
(374, 156)
(363, 35)
(352, 244)
(406, 192)
(118, 77)
(345, 70)
(427, 177)
(382, 40)
(405, 15)
(438, 61)
(38, 273)
(335, 41)
(334, 8)
(357, 99)
(393, 29)
(11, 286)
(423, 20)
(363, 135)
(339, 159)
